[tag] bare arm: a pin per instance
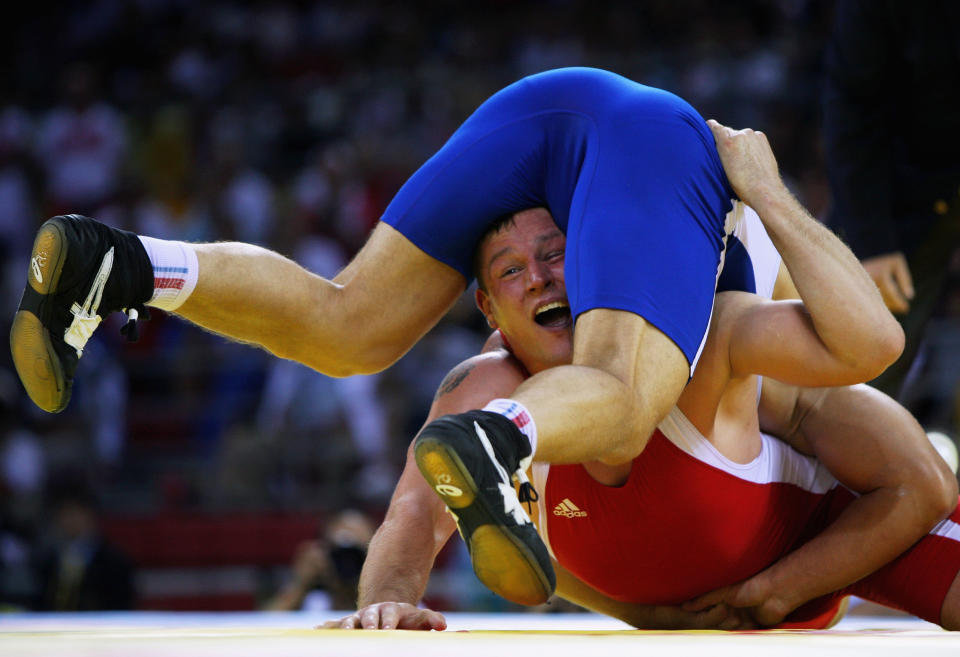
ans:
(873, 446)
(402, 551)
(646, 617)
(416, 527)
(854, 337)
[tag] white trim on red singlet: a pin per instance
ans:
(540, 473)
(776, 463)
(948, 529)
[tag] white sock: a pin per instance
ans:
(175, 271)
(519, 415)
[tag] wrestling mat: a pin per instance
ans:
(143, 634)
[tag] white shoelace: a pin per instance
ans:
(511, 503)
(85, 318)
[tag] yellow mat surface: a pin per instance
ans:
(272, 635)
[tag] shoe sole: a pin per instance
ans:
(34, 357)
(501, 561)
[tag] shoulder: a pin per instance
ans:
(479, 379)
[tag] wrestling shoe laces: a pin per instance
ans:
(527, 494)
(512, 502)
(85, 317)
(471, 460)
(74, 258)
(135, 314)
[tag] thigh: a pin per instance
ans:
(649, 229)
(394, 292)
(626, 346)
(490, 167)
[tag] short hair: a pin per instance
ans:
(498, 224)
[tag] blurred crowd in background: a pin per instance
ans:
(290, 125)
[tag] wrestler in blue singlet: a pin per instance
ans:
(630, 173)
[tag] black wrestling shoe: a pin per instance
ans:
(80, 271)
(468, 459)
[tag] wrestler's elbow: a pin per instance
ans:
(875, 353)
(934, 486)
(888, 343)
(944, 496)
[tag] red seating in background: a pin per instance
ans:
(202, 562)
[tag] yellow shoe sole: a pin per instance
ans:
(34, 357)
(500, 560)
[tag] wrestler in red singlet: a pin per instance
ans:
(688, 520)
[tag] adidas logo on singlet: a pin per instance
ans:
(568, 509)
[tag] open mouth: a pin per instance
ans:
(555, 314)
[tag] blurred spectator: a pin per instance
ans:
(890, 109)
(325, 572)
(301, 400)
(23, 463)
(16, 196)
(17, 217)
(171, 207)
(81, 145)
(18, 585)
(22, 472)
(103, 401)
(80, 571)
(244, 196)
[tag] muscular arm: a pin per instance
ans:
(843, 332)
(876, 448)
(416, 527)
(873, 446)
(402, 551)
(645, 617)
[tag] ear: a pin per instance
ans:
(486, 307)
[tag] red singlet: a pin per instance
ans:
(688, 520)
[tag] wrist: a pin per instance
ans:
(769, 199)
(784, 593)
(365, 599)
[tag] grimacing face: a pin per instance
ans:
(521, 266)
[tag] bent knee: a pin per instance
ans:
(939, 489)
(364, 361)
(343, 360)
(632, 440)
